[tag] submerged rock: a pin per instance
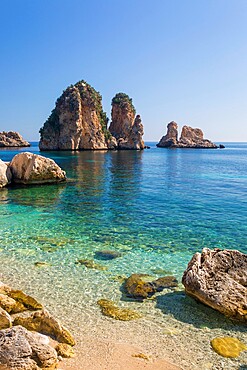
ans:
(90, 264)
(77, 122)
(228, 346)
(125, 126)
(29, 168)
(138, 287)
(110, 309)
(12, 139)
(5, 174)
(23, 350)
(218, 278)
(107, 255)
(43, 322)
(190, 138)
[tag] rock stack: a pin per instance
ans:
(12, 139)
(78, 122)
(190, 138)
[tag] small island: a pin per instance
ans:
(12, 139)
(190, 138)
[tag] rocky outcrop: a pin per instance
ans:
(141, 286)
(77, 122)
(22, 319)
(5, 174)
(12, 139)
(190, 138)
(29, 168)
(218, 278)
(125, 126)
(23, 350)
(171, 138)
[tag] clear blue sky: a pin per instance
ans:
(182, 60)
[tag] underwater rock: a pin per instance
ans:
(24, 350)
(65, 350)
(29, 168)
(90, 264)
(5, 320)
(125, 126)
(218, 278)
(43, 322)
(5, 174)
(107, 255)
(12, 139)
(138, 288)
(77, 122)
(228, 346)
(110, 309)
(41, 264)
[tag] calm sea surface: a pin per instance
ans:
(157, 207)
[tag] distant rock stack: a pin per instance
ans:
(77, 122)
(171, 138)
(125, 126)
(190, 138)
(12, 139)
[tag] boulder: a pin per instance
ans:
(125, 126)
(29, 168)
(190, 138)
(12, 139)
(43, 322)
(14, 301)
(141, 286)
(171, 138)
(77, 122)
(5, 174)
(23, 350)
(218, 278)
(5, 319)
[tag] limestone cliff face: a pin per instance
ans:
(12, 139)
(190, 138)
(171, 138)
(77, 121)
(125, 126)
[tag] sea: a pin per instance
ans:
(155, 207)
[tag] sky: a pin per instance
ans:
(181, 60)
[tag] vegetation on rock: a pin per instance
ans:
(124, 101)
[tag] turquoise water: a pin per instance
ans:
(157, 207)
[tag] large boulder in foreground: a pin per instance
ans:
(29, 168)
(218, 278)
(5, 174)
(190, 138)
(23, 350)
(125, 126)
(12, 139)
(77, 122)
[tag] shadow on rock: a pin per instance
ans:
(190, 311)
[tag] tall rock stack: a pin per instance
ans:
(125, 126)
(77, 122)
(171, 137)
